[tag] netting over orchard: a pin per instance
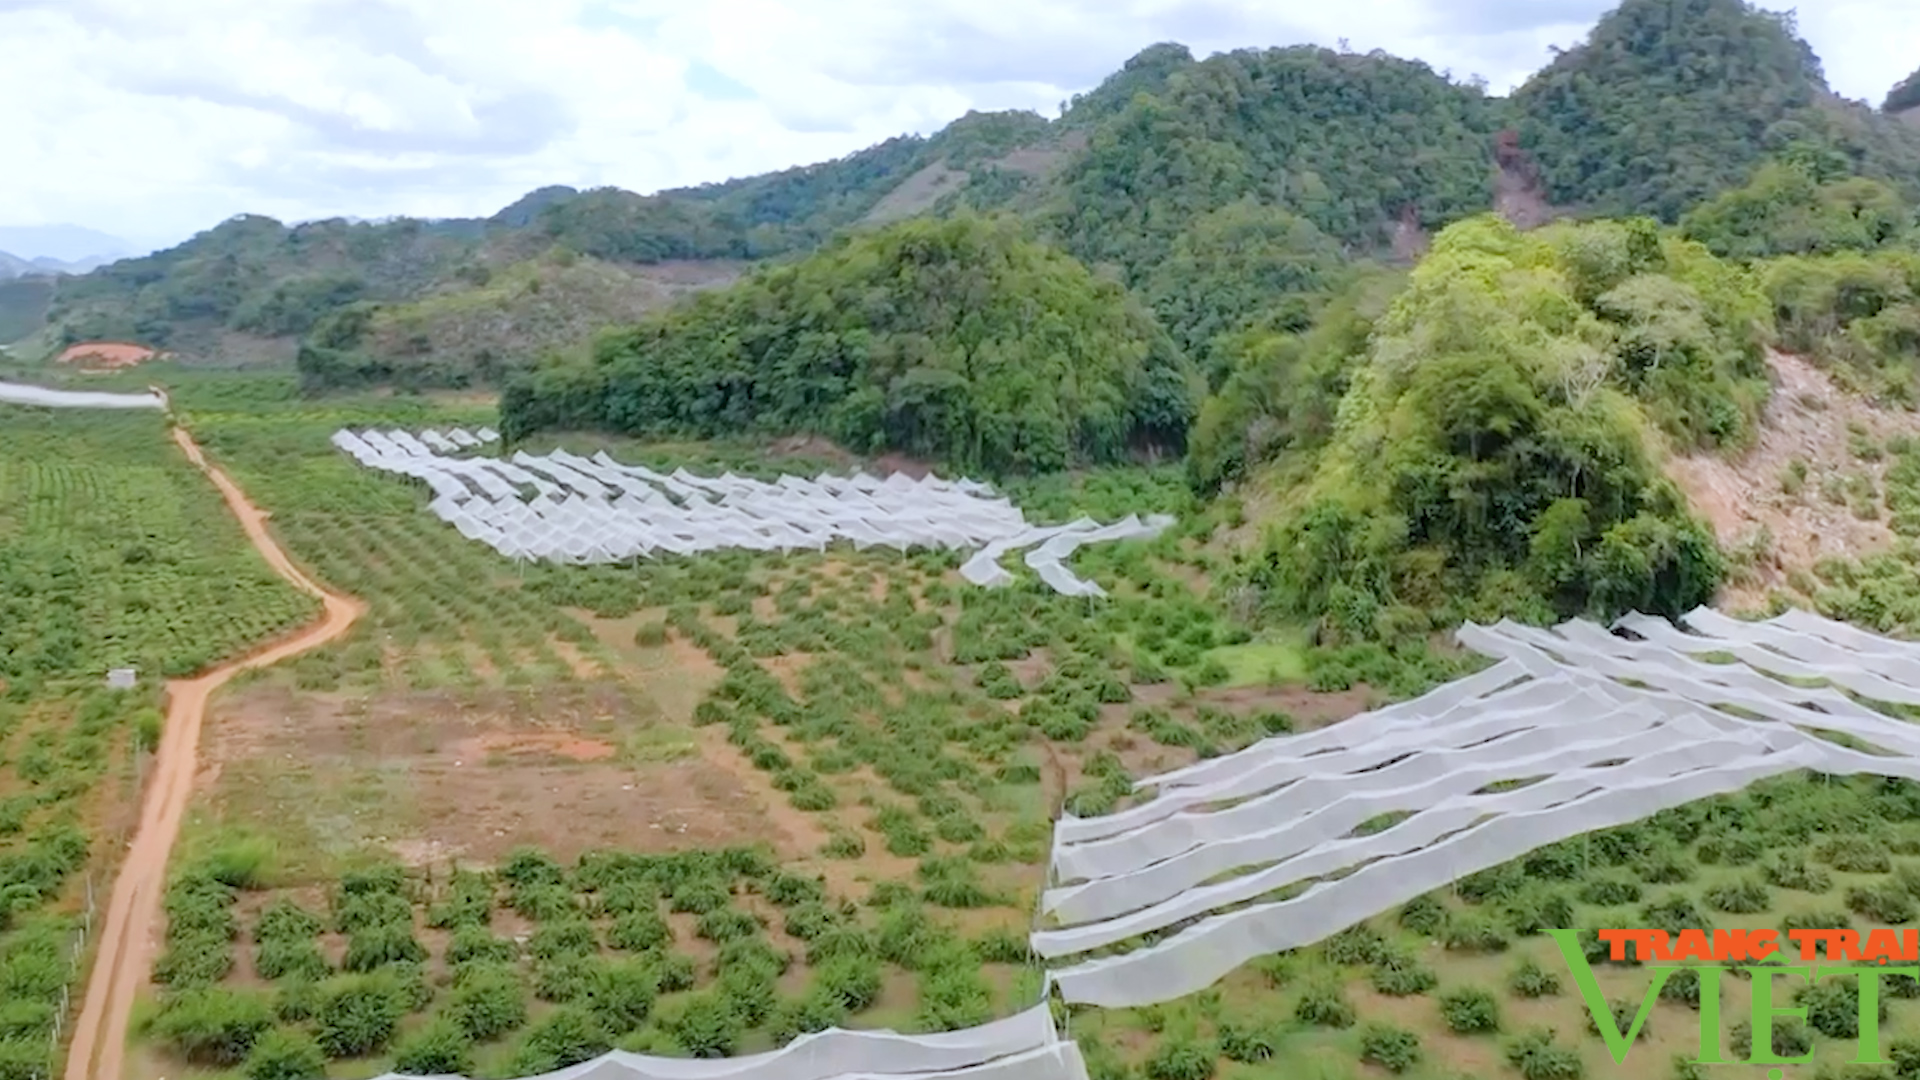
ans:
(562, 507)
(1572, 730)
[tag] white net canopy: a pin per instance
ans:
(561, 507)
(1025, 1046)
(1572, 730)
(23, 394)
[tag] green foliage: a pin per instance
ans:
(213, 1025)
(288, 1054)
(1324, 1005)
(1391, 1048)
(1491, 454)
(921, 337)
(357, 1015)
(440, 1048)
(1470, 1011)
(1905, 95)
(1786, 210)
(1860, 311)
(1326, 135)
(1538, 1057)
(1667, 104)
(129, 557)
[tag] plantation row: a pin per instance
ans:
(692, 954)
(1793, 853)
(114, 551)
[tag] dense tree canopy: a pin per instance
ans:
(1353, 144)
(961, 341)
(1904, 96)
(1491, 453)
(1242, 263)
(1669, 102)
(1787, 209)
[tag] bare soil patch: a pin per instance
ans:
(437, 776)
(1806, 431)
(106, 354)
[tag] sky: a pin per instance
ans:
(153, 119)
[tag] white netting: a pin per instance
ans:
(566, 508)
(1025, 1046)
(22, 394)
(1598, 728)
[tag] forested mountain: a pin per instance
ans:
(1353, 144)
(1236, 196)
(1671, 101)
(1904, 97)
(962, 341)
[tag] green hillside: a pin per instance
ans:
(1231, 193)
(961, 341)
(1669, 102)
(1904, 96)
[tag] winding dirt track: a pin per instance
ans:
(126, 934)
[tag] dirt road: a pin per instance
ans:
(127, 932)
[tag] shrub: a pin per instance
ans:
(563, 979)
(1883, 903)
(285, 1054)
(213, 1025)
(377, 946)
(706, 1026)
(356, 1016)
(1815, 919)
(1001, 946)
(1423, 915)
(440, 1048)
(1855, 855)
(1181, 1059)
(853, 981)
(1790, 1038)
(624, 993)
(1245, 1043)
(1744, 897)
(566, 1036)
(1790, 870)
(722, 925)
(638, 931)
(1536, 1056)
(1608, 890)
(285, 920)
(1324, 1005)
(1400, 975)
(488, 1000)
(1623, 1014)
(1833, 1006)
(358, 911)
(1529, 980)
(787, 890)
(1360, 944)
(572, 937)
(473, 944)
(1472, 932)
(278, 958)
(1682, 988)
(1393, 1049)
(1470, 1011)
(240, 862)
(650, 635)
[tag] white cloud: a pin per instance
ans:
(153, 118)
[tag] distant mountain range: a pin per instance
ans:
(66, 243)
(13, 266)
